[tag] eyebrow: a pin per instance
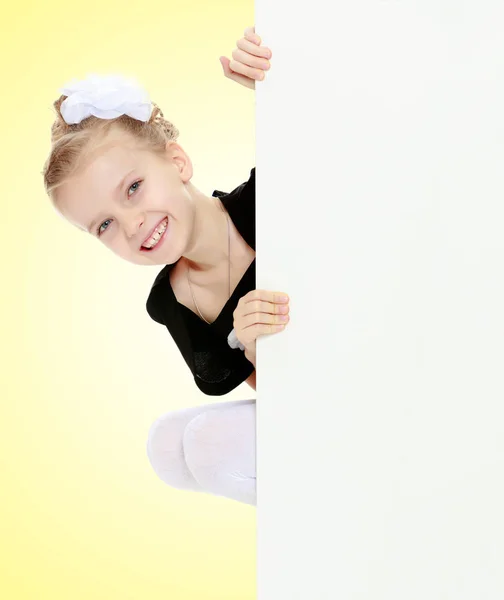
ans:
(120, 185)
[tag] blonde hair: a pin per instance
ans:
(71, 142)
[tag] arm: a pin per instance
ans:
(250, 355)
(252, 380)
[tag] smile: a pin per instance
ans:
(156, 236)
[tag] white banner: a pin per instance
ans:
(380, 211)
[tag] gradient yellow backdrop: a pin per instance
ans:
(84, 370)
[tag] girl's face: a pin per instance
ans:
(135, 201)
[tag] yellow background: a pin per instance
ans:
(84, 370)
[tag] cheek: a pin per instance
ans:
(167, 195)
(115, 242)
(154, 197)
(167, 202)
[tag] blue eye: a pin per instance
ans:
(133, 188)
(103, 227)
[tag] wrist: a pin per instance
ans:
(250, 355)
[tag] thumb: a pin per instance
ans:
(225, 65)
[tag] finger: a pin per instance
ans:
(241, 69)
(259, 306)
(261, 319)
(252, 48)
(252, 61)
(265, 296)
(251, 35)
(241, 79)
(252, 333)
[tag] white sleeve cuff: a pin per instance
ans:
(234, 342)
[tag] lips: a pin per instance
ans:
(155, 236)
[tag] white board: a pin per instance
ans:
(380, 210)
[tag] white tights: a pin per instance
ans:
(209, 448)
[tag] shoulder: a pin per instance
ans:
(157, 299)
(244, 190)
(240, 204)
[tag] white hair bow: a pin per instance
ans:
(105, 97)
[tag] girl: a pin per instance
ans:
(116, 171)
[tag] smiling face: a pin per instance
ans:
(135, 201)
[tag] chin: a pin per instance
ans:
(157, 261)
(145, 259)
(135, 260)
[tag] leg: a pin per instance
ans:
(209, 449)
(165, 450)
(220, 451)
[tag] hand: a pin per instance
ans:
(259, 313)
(250, 60)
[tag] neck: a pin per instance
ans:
(208, 247)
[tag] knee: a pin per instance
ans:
(220, 453)
(166, 453)
(201, 450)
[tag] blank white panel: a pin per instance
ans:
(380, 210)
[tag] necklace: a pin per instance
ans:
(229, 274)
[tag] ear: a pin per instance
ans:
(180, 160)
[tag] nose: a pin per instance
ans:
(133, 224)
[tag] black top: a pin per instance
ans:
(216, 368)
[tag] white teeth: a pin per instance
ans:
(156, 236)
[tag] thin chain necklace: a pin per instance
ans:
(229, 273)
